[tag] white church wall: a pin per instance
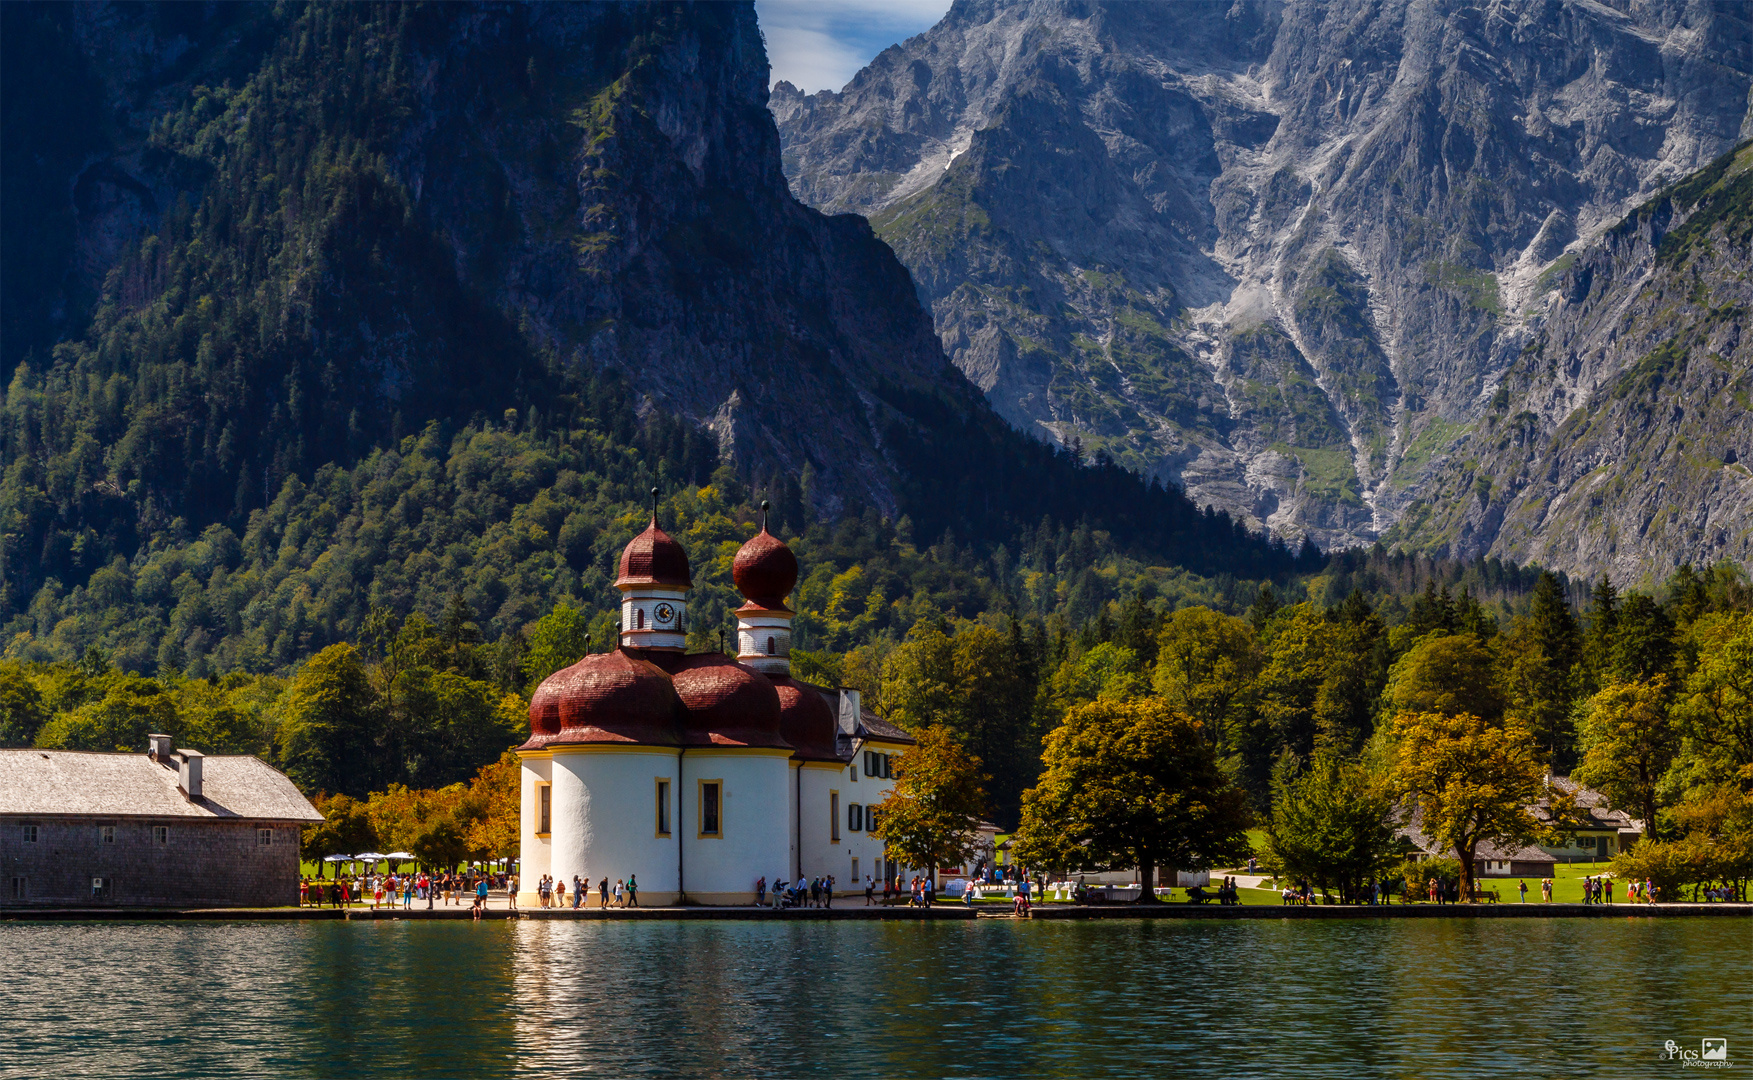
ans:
(820, 783)
(753, 837)
(533, 845)
(606, 818)
(860, 845)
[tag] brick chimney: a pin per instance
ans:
(189, 774)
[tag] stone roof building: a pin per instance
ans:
(167, 828)
(1599, 832)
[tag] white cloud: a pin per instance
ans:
(817, 45)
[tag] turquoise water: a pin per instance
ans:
(1427, 998)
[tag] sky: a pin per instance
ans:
(821, 44)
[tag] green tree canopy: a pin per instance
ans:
(1207, 664)
(1132, 784)
(328, 739)
(22, 712)
(130, 709)
(1446, 673)
(1331, 824)
(1629, 742)
(1719, 702)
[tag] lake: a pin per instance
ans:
(1427, 997)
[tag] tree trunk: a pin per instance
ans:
(1466, 854)
(1147, 879)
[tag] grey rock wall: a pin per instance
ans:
(1104, 204)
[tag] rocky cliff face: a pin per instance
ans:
(1285, 254)
(1618, 440)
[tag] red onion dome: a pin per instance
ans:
(805, 719)
(611, 697)
(652, 558)
(725, 703)
(765, 571)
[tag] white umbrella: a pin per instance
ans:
(403, 855)
(370, 856)
(337, 858)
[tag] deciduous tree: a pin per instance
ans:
(928, 819)
(1719, 703)
(1471, 780)
(327, 735)
(1330, 823)
(1446, 673)
(1132, 784)
(1628, 742)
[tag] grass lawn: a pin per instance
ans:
(1567, 884)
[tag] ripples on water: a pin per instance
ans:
(1429, 998)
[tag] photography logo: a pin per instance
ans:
(1711, 1054)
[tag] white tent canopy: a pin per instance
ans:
(400, 855)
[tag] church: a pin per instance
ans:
(700, 773)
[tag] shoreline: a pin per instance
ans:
(937, 913)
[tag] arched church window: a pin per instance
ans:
(769, 646)
(638, 618)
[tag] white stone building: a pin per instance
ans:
(699, 774)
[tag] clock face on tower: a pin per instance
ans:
(664, 614)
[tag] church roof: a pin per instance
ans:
(84, 783)
(612, 697)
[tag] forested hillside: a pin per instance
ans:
(343, 306)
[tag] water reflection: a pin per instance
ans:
(1437, 998)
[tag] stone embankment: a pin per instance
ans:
(944, 912)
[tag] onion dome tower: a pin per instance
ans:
(654, 583)
(765, 571)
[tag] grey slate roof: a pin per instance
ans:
(875, 727)
(71, 782)
(870, 725)
(1412, 828)
(1591, 804)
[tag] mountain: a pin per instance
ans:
(1618, 438)
(1284, 254)
(312, 308)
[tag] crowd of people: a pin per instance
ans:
(815, 892)
(402, 889)
(554, 894)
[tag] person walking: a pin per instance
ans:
(560, 894)
(618, 887)
(869, 891)
(632, 891)
(603, 893)
(1522, 887)
(761, 891)
(511, 890)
